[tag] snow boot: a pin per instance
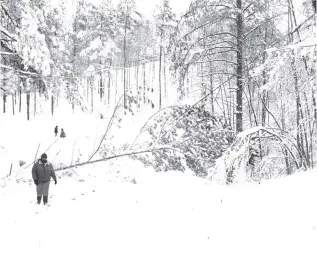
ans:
(44, 200)
(39, 198)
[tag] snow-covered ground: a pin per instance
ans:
(119, 213)
(160, 221)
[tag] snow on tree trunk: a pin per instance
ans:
(239, 66)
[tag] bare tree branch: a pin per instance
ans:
(107, 130)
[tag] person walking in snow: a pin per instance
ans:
(63, 135)
(42, 172)
(56, 131)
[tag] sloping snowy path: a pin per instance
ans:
(101, 223)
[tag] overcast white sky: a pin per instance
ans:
(147, 6)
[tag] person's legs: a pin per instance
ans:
(46, 186)
(39, 193)
(45, 200)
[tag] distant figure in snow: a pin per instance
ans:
(63, 135)
(42, 172)
(56, 131)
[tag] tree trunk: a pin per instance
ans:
(73, 99)
(144, 84)
(314, 102)
(212, 102)
(187, 82)
(165, 82)
(28, 105)
(115, 96)
(20, 98)
(203, 85)
(87, 84)
(299, 128)
(92, 94)
(129, 76)
(137, 83)
(109, 81)
(101, 90)
(125, 60)
(12, 103)
(251, 107)
(4, 102)
(160, 78)
(239, 67)
(153, 80)
(299, 135)
(265, 94)
(305, 136)
(34, 112)
(160, 69)
(52, 104)
(222, 89)
(287, 164)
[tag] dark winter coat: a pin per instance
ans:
(42, 172)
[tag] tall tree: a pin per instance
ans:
(165, 22)
(128, 19)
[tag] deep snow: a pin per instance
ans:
(161, 222)
(98, 217)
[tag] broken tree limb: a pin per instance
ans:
(10, 170)
(50, 146)
(108, 128)
(36, 152)
(34, 157)
(114, 157)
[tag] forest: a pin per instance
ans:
(226, 89)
